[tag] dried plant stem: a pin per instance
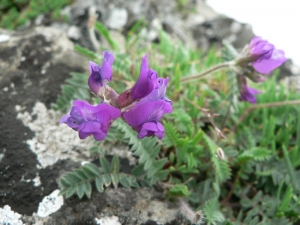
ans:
(168, 185)
(91, 24)
(264, 105)
(209, 71)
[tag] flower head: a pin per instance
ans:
(143, 87)
(264, 56)
(246, 93)
(99, 75)
(91, 120)
(145, 115)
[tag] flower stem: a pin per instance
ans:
(209, 71)
(264, 105)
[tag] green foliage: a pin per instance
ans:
(79, 181)
(147, 149)
(73, 89)
(101, 29)
(17, 12)
(258, 180)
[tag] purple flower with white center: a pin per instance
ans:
(246, 93)
(99, 75)
(145, 115)
(144, 118)
(264, 56)
(91, 120)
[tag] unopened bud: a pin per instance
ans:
(199, 217)
(221, 154)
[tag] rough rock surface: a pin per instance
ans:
(33, 64)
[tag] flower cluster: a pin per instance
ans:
(257, 59)
(142, 106)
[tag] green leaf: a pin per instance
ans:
(65, 183)
(79, 173)
(114, 179)
(87, 189)
(124, 180)
(105, 165)
(92, 169)
(179, 190)
(156, 166)
(102, 30)
(257, 154)
(287, 197)
(71, 191)
(138, 170)
(115, 164)
(212, 212)
(80, 191)
(99, 184)
(106, 179)
(84, 51)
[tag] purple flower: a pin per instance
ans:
(144, 118)
(91, 120)
(99, 75)
(146, 82)
(246, 93)
(159, 92)
(264, 56)
(143, 87)
(145, 115)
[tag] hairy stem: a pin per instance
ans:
(206, 72)
(264, 105)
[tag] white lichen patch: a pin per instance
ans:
(52, 141)
(108, 221)
(160, 212)
(37, 180)
(7, 216)
(50, 204)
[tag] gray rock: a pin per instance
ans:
(74, 32)
(117, 19)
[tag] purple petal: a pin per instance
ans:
(150, 129)
(255, 40)
(92, 128)
(147, 129)
(147, 112)
(146, 82)
(158, 93)
(106, 72)
(264, 56)
(95, 81)
(75, 112)
(74, 123)
(248, 95)
(64, 119)
(106, 113)
(87, 110)
(265, 66)
(108, 57)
